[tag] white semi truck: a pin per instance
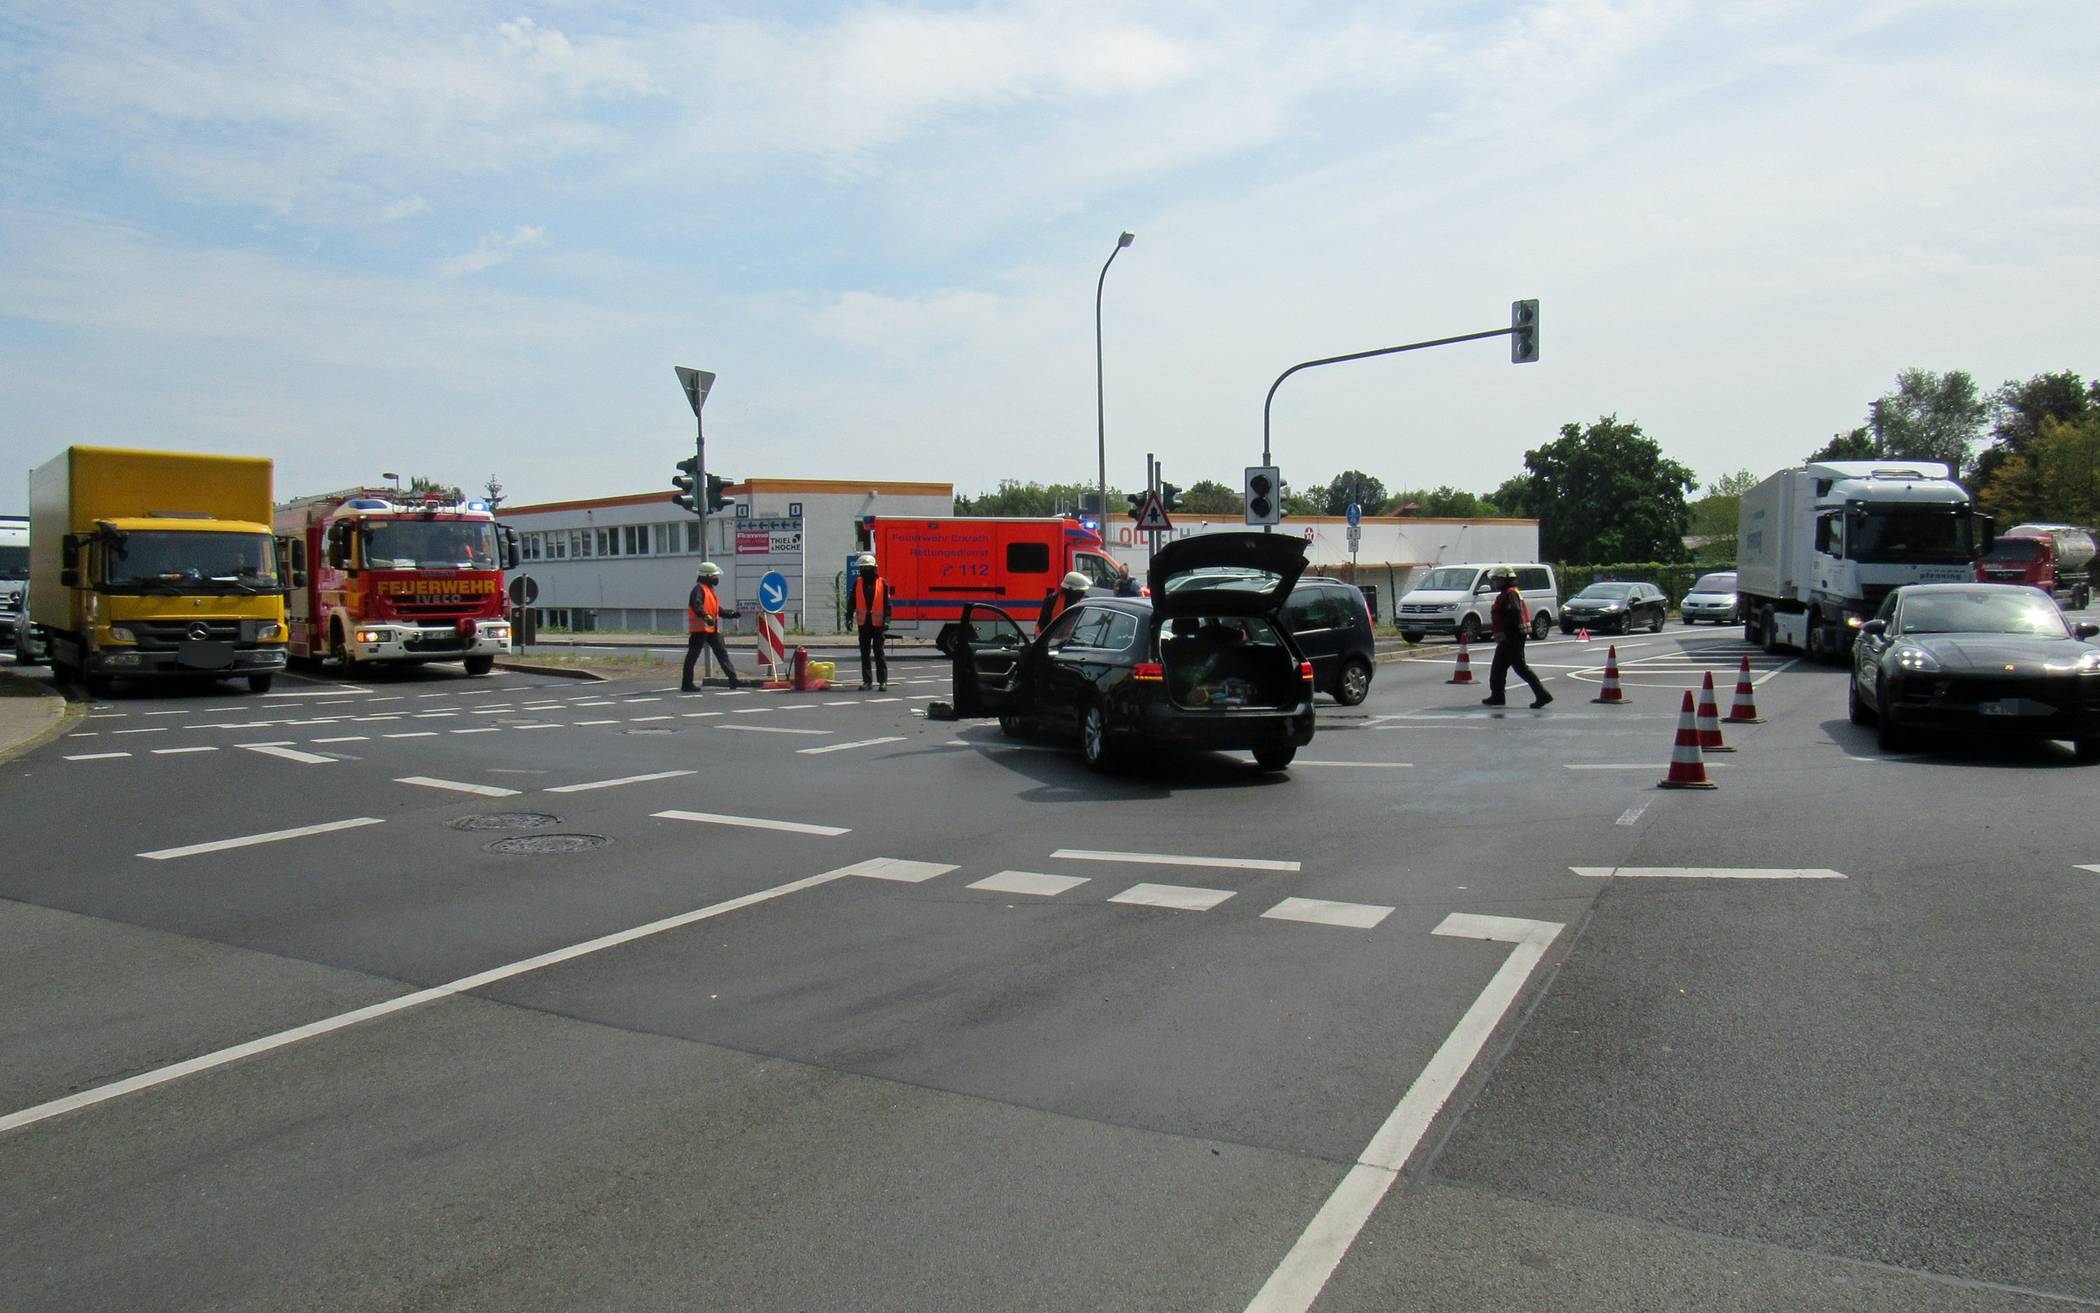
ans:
(1820, 545)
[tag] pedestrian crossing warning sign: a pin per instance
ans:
(1153, 514)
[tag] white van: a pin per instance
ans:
(1455, 599)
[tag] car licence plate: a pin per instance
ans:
(2014, 707)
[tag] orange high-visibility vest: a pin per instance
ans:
(875, 614)
(708, 620)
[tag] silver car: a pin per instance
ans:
(1712, 598)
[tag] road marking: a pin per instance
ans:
(366, 720)
(751, 823)
(596, 702)
(1708, 872)
(1318, 911)
(174, 752)
(697, 715)
(872, 701)
(896, 868)
(250, 840)
(417, 734)
(289, 754)
(752, 711)
(614, 784)
(634, 701)
(1029, 882)
(597, 722)
(2094, 869)
(841, 747)
(1299, 1278)
(435, 715)
(1634, 765)
(479, 729)
(735, 693)
(347, 738)
(342, 1021)
(773, 729)
(1365, 765)
(335, 692)
(1631, 814)
(923, 697)
(522, 728)
(96, 756)
(493, 710)
(643, 720)
(1178, 897)
(849, 702)
(155, 729)
(457, 786)
(1175, 859)
(391, 697)
(267, 743)
(167, 713)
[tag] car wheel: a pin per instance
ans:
(1275, 758)
(1540, 624)
(1355, 683)
(1688, 620)
(1411, 635)
(1093, 738)
(1856, 706)
(1655, 623)
(2086, 750)
(1469, 629)
(1013, 726)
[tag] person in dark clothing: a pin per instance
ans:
(1073, 589)
(703, 626)
(869, 599)
(1511, 621)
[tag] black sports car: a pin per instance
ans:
(1976, 658)
(1203, 663)
(1615, 608)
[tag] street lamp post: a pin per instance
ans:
(1100, 408)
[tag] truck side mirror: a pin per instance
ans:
(338, 556)
(510, 546)
(69, 577)
(1990, 531)
(293, 563)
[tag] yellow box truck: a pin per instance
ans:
(157, 565)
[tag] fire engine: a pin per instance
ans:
(399, 578)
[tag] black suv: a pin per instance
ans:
(1331, 623)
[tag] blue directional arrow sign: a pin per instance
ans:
(773, 591)
(1356, 513)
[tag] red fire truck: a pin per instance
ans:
(399, 578)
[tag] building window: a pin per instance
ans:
(692, 535)
(637, 536)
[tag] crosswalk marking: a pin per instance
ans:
(289, 754)
(1177, 897)
(754, 823)
(249, 840)
(625, 779)
(1175, 859)
(96, 756)
(1319, 911)
(897, 869)
(1029, 882)
(457, 786)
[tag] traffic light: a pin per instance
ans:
(1264, 495)
(688, 471)
(717, 492)
(1523, 332)
(1170, 497)
(1137, 504)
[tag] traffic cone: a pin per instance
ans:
(1710, 719)
(1464, 673)
(1744, 711)
(1687, 767)
(1611, 693)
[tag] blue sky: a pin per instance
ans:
(471, 240)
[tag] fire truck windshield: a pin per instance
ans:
(429, 544)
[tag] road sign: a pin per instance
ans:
(524, 590)
(773, 591)
(1152, 516)
(1356, 538)
(1356, 514)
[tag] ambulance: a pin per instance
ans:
(938, 566)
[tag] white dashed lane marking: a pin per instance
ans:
(624, 779)
(1178, 897)
(250, 840)
(1318, 911)
(1029, 882)
(1175, 859)
(842, 747)
(289, 754)
(753, 823)
(1707, 872)
(457, 786)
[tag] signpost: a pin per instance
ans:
(524, 591)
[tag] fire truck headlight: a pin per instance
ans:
(371, 636)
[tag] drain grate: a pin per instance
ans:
(507, 821)
(548, 843)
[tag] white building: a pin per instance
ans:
(1392, 551)
(627, 563)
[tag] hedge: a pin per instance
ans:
(1674, 578)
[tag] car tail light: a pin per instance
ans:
(1148, 670)
(1305, 670)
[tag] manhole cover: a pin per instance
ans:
(548, 843)
(507, 821)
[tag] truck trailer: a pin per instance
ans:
(157, 565)
(1819, 546)
(399, 579)
(2056, 558)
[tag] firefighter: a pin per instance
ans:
(703, 626)
(1511, 621)
(1072, 589)
(869, 598)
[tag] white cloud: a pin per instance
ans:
(408, 207)
(492, 250)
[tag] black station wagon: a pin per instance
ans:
(1204, 663)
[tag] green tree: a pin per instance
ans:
(1733, 485)
(1605, 493)
(1302, 503)
(1444, 502)
(423, 483)
(1928, 417)
(1208, 497)
(1856, 445)
(1016, 498)
(493, 492)
(1353, 486)
(2007, 469)
(2067, 461)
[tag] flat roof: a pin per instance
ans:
(749, 487)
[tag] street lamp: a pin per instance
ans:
(1100, 412)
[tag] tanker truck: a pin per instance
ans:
(2056, 558)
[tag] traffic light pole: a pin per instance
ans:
(1359, 355)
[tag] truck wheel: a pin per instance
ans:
(480, 665)
(1768, 631)
(97, 686)
(260, 683)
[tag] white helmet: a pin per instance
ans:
(710, 571)
(866, 561)
(1076, 582)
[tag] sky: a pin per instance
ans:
(467, 241)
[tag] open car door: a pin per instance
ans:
(987, 657)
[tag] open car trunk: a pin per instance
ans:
(1227, 663)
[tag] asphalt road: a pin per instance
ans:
(821, 1005)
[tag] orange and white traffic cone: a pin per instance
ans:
(1611, 693)
(1710, 718)
(1464, 673)
(1744, 711)
(1687, 767)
